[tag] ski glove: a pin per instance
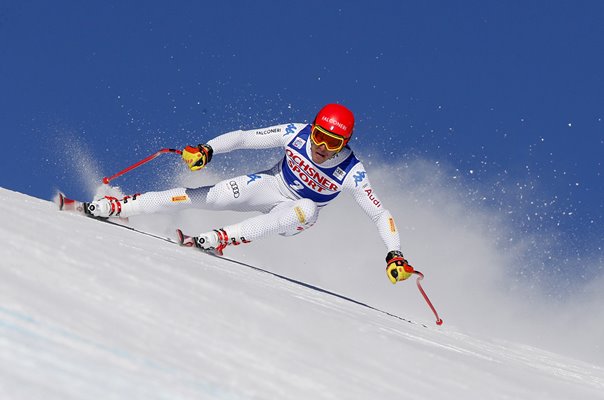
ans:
(398, 269)
(197, 157)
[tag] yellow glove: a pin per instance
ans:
(397, 269)
(197, 157)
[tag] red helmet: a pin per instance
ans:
(336, 119)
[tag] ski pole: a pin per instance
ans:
(420, 276)
(106, 180)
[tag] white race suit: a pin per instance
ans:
(289, 195)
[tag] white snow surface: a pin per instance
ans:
(89, 310)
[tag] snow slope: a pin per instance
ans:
(93, 311)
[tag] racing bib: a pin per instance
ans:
(310, 180)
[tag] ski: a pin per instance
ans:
(80, 208)
(185, 240)
(66, 204)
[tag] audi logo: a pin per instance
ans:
(234, 188)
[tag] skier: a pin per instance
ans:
(318, 165)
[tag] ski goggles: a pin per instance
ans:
(331, 141)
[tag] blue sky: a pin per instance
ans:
(507, 98)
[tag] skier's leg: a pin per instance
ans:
(288, 218)
(256, 192)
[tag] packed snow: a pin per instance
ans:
(89, 310)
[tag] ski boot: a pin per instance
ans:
(109, 206)
(212, 242)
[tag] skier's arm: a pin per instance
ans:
(198, 156)
(358, 184)
(397, 268)
(264, 138)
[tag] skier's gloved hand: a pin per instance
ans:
(397, 269)
(198, 156)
